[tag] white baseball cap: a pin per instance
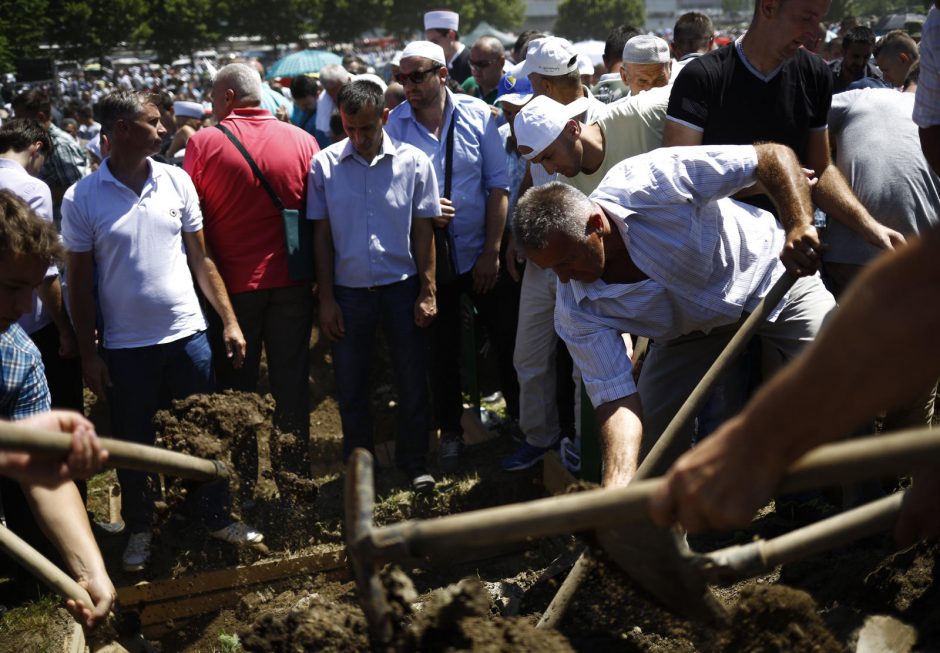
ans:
(645, 49)
(549, 56)
(441, 20)
(185, 109)
(542, 120)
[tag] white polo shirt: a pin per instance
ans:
(145, 289)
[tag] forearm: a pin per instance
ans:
(497, 205)
(422, 235)
(779, 175)
(833, 195)
(621, 433)
(60, 513)
(212, 286)
(879, 350)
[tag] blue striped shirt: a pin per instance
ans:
(709, 259)
(23, 388)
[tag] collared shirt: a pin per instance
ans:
(479, 165)
(709, 259)
(839, 85)
(23, 388)
(370, 206)
(35, 193)
(927, 105)
(145, 289)
(66, 163)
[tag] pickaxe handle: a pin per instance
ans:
(126, 455)
(41, 567)
(830, 464)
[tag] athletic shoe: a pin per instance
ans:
(570, 454)
(448, 453)
(524, 457)
(239, 534)
(423, 484)
(137, 553)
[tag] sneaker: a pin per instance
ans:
(570, 455)
(423, 484)
(524, 457)
(448, 453)
(137, 553)
(239, 534)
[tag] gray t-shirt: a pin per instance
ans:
(878, 151)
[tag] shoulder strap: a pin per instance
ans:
(449, 156)
(254, 167)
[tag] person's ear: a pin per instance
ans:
(597, 223)
(573, 129)
(385, 113)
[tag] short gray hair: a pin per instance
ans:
(243, 80)
(121, 105)
(555, 208)
(332, 73)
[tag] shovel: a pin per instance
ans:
(126, 455)
(415, 541)
(656, 550)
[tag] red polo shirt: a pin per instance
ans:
(242, 226)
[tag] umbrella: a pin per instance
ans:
(302, 63)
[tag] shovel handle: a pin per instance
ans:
(667, 449)
(830, 464)
(126, 455)
(40, 566)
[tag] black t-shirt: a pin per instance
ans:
(461, 68)
(720, 94)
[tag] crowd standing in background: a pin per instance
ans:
(210, 214)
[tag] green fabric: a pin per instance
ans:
(470, 87)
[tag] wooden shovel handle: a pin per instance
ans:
(592, 509)
(126, 455)
(42, 568)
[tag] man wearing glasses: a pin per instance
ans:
(487, 58)
(473, 215)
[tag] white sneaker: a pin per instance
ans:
(239, 534)
(137, 553)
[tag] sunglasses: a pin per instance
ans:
(482, 64)
(416, 77)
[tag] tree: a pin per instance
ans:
(176, 27)
(23, 24)
(594, 19)
(345, 19)
(407, 16)
(276, 22)
(93, 28)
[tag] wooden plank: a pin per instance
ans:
(555, 476)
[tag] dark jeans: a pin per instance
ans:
(141, 378)
(64, 375)
(364, 309)
(280, 319)
(499, 311)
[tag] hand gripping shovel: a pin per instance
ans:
(126, 455)
(415, 541)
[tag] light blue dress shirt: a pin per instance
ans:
(709, 259)
(370, 206)
(479, 166)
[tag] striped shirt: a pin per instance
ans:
(709, 259)
(927, 104)
(23, 388)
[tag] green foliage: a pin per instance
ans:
(407, 16)
(23, 24)
(277, 22)
(594, 19)
(345, 19)
(177, 27)
(93, 28)
(229, 642)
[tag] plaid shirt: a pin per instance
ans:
(66, 164)
(23, 388)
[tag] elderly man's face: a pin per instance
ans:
(644, 76)
(423, 81)
(570, 259)
(486, 67)
(19, 275)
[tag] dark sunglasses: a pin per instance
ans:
(416, 77)
(481, 64)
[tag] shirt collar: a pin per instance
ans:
(739, 48)
(12, 165)
(387, 148)
(106, 175)
(251, 112)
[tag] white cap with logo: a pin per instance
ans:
(550, 56)
(542, 120)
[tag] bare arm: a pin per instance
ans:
(725, 479)
(82, 304)
(212, 286)
(422, 238)
(331, 317)
(486, 268)
(621, 433)
(50, 292)
(675, 134)
(833, 195)
(60, 512)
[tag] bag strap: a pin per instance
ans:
(449, 156)
(254, 167)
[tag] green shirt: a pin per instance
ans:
(471, 87)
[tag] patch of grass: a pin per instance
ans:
(98, 499)
(34, 616)
(229, 642)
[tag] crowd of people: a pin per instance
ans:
(207, 219)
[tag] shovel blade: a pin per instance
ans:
(660, 561)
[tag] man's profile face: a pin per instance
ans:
(582, 261)
(563, 156)
(644, 76)
(893, 68)
(795, 22)
(19, 276)
(146, 130)
(854, 59)
(435, 37)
